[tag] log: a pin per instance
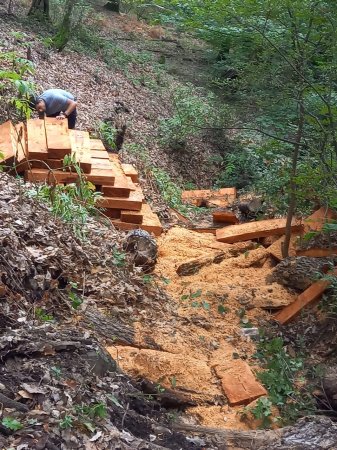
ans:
(307, 298)
(254, 230)
(225, 217)
(193, 266)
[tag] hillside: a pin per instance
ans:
(100, 354)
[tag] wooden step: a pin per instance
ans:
(307, 298)
(97, 145)
(58, 140)
(36, 140)
(80, 149)
(254, 230)
(96, 176)
(151, 222)
(135, 217)
(130, 171)
(133, 202)
(99, 154)
(225, 217)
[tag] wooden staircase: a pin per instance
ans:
(37, 149)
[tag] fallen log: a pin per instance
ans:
(307, 298)
(225, 217)
(193, 266)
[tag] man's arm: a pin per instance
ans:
(70, 107)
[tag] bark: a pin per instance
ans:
(62, 37)
(39, 6)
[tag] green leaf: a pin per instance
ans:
(12, 424)
(114, 400)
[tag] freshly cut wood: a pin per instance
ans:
(275, 249)
(121, 188)
(316, 252)
(238, 382)
(36, 139)
(254, 230)
(58, 140)
(133, 202)
(151, 222)
(225, 217)
(96, 176)
(97, 145)
(80, 149)
(135, 217)
(317, 219)
(112, 213)
(12, 143)
(44, 164)
(222, 197)
(307, 298)
(130, 171)
(99, 154)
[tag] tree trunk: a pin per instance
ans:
(61, 38)
(113, 5)
(39, 6)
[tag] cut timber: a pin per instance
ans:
(193, 266)
(12, 143)
(316, 252)
(225, 217)
(254, 230)
(308, 297)
(58, 141)
(99, 154)
(116, 190)
(36, 139)
(97, 145)
(237, 379)
(151, 222)
(316, 220)
(112, 213)
(130, 171)
(80, 149)
(135, 217)
(96, 176)
(211, 230)
(133, 202)
(275, 249)
(222, 197)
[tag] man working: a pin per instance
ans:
(57, 103)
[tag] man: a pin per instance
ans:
(57, 103)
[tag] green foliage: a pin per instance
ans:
(12, 424)
(56, 372)
(66, 422)
(282, 376)
(42, 315)
(192, 113)
(14, 88)
(118, 258)
(108, 133)
(74, 298)
(73, 203)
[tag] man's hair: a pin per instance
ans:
(33, 101)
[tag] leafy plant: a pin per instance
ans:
(42, 315)
(12, 424)
(118, 258)
(66, 422)
(108, 134)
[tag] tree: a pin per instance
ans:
(39, 6)
(62, 36)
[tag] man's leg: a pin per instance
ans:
(72, 119)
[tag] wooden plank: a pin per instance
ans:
(130, 171)
(51, 163)
(135, 217)
(307, 298)
(317, 252)
(275, 249)
(80, 149)
(211, 230)
(112, 213)
(151, 222)
(133, 202)
(12, 144)
(97, 145)
(225, 217)
(317, 219)
(223, 197)
(36, 139)
(254, 230)
(99, 154)
(58, 140)
(239, 383)
(96, 176)
(118, 190)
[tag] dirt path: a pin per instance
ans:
(210, 310)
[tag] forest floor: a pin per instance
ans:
(164, 328)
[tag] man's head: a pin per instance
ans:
(40, 106)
